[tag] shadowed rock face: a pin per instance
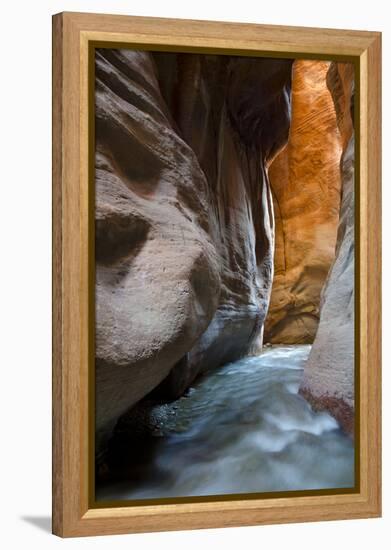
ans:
(328, 381)
(306, 185)
(184, 217)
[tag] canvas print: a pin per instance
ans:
(224, 275)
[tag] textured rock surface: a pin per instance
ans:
(184, 222)
(328, 381)
(305, 181)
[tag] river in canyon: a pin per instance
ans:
(240, 429)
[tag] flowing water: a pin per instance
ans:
(241, 429)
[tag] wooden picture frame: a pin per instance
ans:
(74, 37)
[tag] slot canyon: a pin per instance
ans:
(224, 240)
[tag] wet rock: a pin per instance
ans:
(328, 381)
(184, 220)
(152, 239)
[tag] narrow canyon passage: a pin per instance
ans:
(224, 221)
(241, 428)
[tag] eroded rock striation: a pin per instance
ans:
(328, 381)
(184, 217)
(306, 185)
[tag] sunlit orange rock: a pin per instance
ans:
(306, 187)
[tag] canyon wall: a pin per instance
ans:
(184, 217)
(328, 381)
(306, 187)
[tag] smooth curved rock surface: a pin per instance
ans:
(328, 381)
(306, 186)
(184, 217)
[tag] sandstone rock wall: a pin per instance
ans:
(328, 381)
(306, 186)
(184, 217)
